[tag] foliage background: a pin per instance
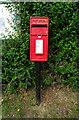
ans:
(63, 63)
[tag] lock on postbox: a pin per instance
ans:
(39, 38)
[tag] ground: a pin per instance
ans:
(58, 102)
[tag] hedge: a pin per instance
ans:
(63, 63)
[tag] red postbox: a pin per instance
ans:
(39, 38)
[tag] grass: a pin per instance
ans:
(55, 103)
(12, 106)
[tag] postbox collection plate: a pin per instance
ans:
(39, 46)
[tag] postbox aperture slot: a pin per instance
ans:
(39, 25)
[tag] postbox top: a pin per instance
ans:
(38, 17)
(39, 20)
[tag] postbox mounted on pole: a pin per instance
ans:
(38, 47)
(39, 38)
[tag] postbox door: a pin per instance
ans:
(38, 48)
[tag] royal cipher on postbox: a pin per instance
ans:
(39, 38)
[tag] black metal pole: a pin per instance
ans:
(38, 78)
